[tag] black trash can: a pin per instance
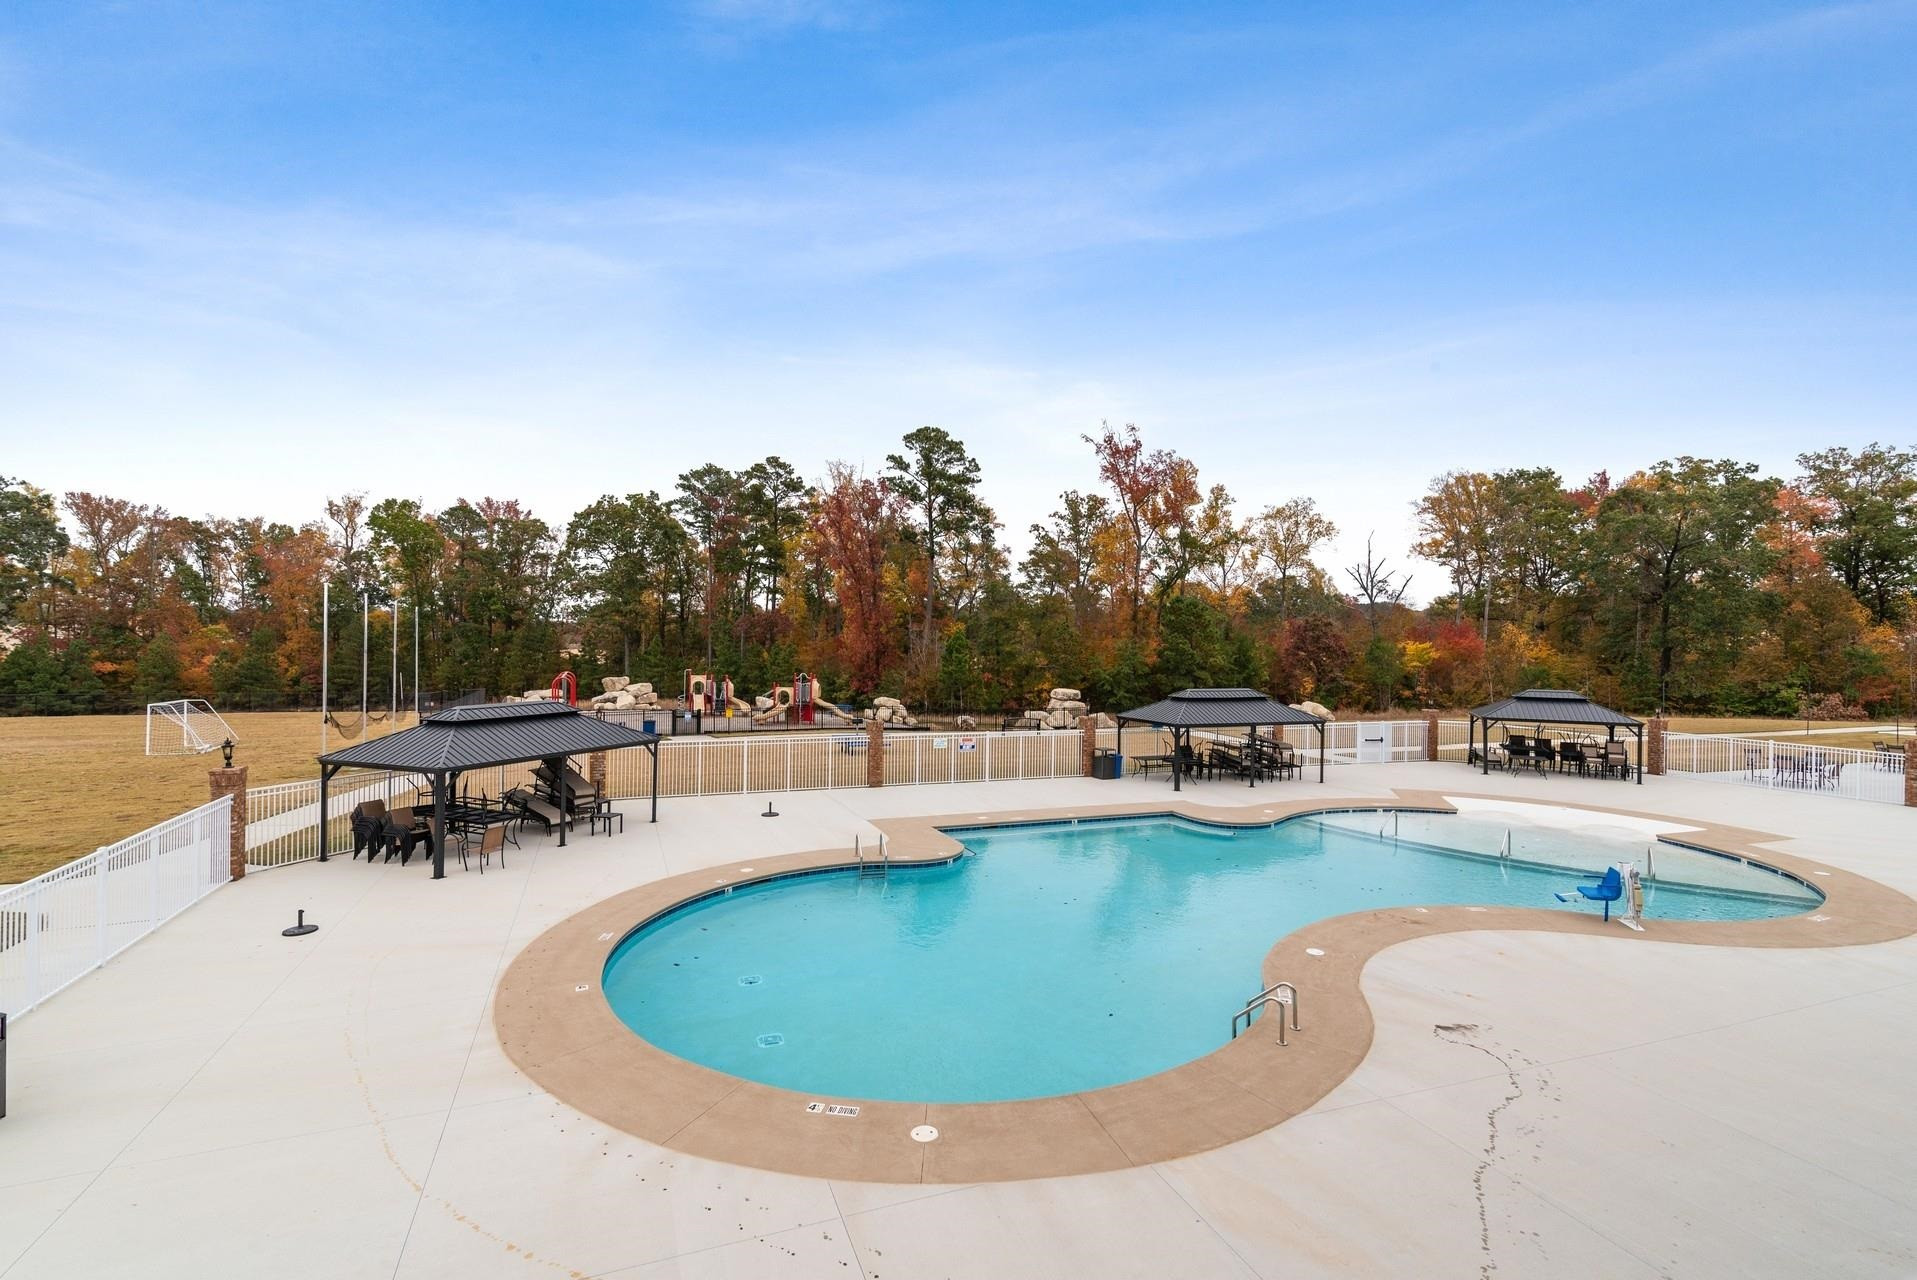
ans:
(1107, 764)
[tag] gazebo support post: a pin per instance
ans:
(1178, 763)
(1321, 752)
(558, 768)
(326, 775)
(654, 748)
(1640, 754)
(439, 826)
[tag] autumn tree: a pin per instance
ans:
(936, 480)
(1063, 560)
(1867, 529)
(855, 524)
(1286, 535)
(31, 544)
(1148, 546)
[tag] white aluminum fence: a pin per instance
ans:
(1844, 772)
(60, 926)
(815, 761)
(282, 821)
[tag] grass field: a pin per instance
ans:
(74, 783)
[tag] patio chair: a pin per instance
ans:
(1285, 764)
(1190, 762)
(1607, 890)
(1617, 760)
(1571, 756)
(492, 840)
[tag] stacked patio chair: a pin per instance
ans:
(369, 827)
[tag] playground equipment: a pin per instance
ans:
(571, 683)
(798, 703)
(185, 727)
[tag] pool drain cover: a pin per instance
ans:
(924, 1133)
(751, 980)
(771, 1039)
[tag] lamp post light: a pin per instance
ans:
(226, 753)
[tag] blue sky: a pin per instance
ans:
(254, 254)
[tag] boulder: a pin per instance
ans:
(640, 689)
(1075, 707)
(1104, 721)
(606, 699)
(887, 702)
(613, 684)
(1058, 720)
(623, 701)
(1064, 695)
(1313, 709)
(968, 722)
(538, 695)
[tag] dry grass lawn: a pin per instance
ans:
(74, 783)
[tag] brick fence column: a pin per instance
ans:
(1654, 746)
(1430, 734)
(232, 782)
(1089, 726)
(1910, 773)
(596, 772)
(874, 753)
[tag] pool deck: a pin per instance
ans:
(223, 1101)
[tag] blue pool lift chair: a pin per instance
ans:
(1607, 890)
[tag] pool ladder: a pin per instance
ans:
(872, 867)
(1282, 994)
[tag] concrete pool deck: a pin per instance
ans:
(223, 1101)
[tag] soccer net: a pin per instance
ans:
(184, 727)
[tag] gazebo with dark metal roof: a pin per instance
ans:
(461, 739)
(1562, 707)
(1218, 709)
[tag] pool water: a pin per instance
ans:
(1056, 958)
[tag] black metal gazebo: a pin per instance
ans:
(1561, 707)
(1218, 709)
(462, 739)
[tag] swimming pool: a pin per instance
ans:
(1061, 957)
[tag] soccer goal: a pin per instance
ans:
(185, 727)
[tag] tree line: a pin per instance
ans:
(1692, 584)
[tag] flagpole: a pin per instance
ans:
(326, 653)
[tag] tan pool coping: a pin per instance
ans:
(553, 1020)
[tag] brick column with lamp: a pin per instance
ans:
(1910, 773)
(1654, 745)
(1088, 725)
(1430, 734)
(231, 781)
(874, 753)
